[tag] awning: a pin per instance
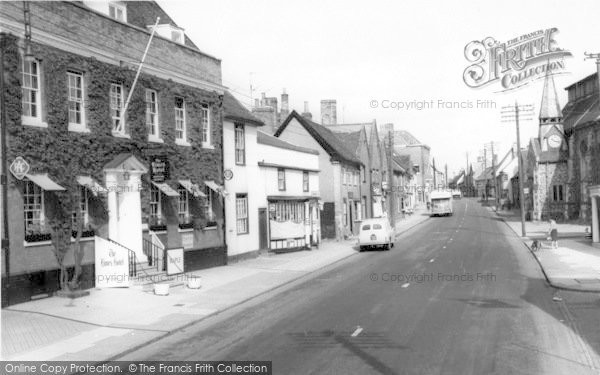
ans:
(45, 182)
(192, 188)
(91, 185)
(216, 188)
(166, 189)
(299, 198)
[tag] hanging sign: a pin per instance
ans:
(159, 169)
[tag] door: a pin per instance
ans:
(262, 228)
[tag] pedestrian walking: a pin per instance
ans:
(553, 232)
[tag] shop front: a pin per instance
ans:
(294, 223)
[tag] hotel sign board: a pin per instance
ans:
(159, 169)
(112, 264)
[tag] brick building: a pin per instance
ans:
(139, 171)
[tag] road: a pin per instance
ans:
(456, 295)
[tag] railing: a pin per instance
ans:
(132, 259)
(153, 250)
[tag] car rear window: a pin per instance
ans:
(366, 227)
(376, 226)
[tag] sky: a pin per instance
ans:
(367, 55)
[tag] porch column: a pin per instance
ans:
(130, 221)
(595, 228)
(113, 213)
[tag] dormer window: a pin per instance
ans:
(171, 32)
(117, 11)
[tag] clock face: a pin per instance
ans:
(554, 141)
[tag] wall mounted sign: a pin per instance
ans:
(19, 168)
(159, 169)
(227, 174)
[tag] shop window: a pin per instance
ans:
(240, 145)
(152, 115)
(208, 210)
(289, 211)
(76, 101)
(241, 213)
(31, 100)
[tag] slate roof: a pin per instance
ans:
(404, 162)
(581, 111)
(404, 138)
(266, 139)
(235, 111)
(325, 137)
(351, 141)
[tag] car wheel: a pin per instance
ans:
(386, 246)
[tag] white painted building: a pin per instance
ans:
(289, 179)
(245, 197)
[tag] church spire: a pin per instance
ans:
(550, 108)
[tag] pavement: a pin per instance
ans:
(456, 295)
(113, 321)
(574, 265)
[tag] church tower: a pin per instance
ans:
(551, 130)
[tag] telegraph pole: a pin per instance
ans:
(509, 114)
(391, 175)
(485, 192)
(597, 57)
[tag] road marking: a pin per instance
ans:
(357, 332)
(431, 260)
(443, 247)
(405, 285)
(450, 239)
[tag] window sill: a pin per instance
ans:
(187, 230)
(121, 135)
(39, 243)
(83, 239)
(210, 228)
(33, 121)
(207, 146)
(155, 139)
(78, 128)
(181, 142)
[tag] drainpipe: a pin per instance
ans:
(4, 170)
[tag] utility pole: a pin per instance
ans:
(509, 114)
(597, 57)
(391, 178)
(468, 189)
(485, 188)
(434, 173)
(446, 176)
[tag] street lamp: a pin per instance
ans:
(28, 56)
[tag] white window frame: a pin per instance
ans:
(152, 116)
(241, 214)
(209, 214)
(240, 144)
(117, 7)
(84, 202)
(37, 193)
(117, 104)
(180, 122)
(205, 128)
(76, 126)
(183, 205)
(305, 181)
(281, 179)
(32, 89)
(155, 204)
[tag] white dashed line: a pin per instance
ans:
(405, 285)
(357, 332)
(431, 260)
(443, 247)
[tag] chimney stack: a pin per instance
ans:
(328, 112)
(306, 113)
(285, 109)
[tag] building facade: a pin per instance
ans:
(128, 162)
(339, 177)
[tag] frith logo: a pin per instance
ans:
(514, 63)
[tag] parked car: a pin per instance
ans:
(376, 232)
